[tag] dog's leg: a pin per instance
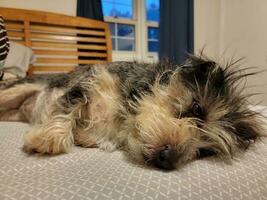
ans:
(17, 102)
(52, 137)
(12, 98)
(13, 115)
(27, 107)
(82, 138)
(21, 114)
(54, 133)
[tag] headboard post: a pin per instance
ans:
(27, 40)
(109, 45)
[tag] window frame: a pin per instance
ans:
(141, 25)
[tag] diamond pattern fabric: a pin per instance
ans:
(94, 174)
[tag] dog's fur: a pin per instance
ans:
(160, 114)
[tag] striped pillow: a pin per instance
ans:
(4, 46)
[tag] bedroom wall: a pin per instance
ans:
(67, 7)
(244, 34)
(207, 26)
(235, 28)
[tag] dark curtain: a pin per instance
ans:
(176, 38)
(90, 9)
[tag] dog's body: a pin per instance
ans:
(160, 114)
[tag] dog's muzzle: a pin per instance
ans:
(165, 158)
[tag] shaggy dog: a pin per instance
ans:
(160, 114)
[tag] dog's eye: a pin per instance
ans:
(196, 110)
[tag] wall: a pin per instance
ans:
(207, 26)
(234, 29)
(244, 34)
(67, 7)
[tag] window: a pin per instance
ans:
(122, 36)
(134, 28)
(121, 17)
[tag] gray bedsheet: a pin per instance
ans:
(94, 174)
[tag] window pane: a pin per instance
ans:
(153, 39)
(118, 8)
(125, 30)
(152, 10)
(112, 28)
(153, 46)
(123, 37)
(153, 33)
(126, 45)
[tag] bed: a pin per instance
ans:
(92, 173)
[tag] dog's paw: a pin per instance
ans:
(27, 149)
(108, 146)
(48, 143)
(43, 148)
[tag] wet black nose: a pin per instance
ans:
(166, 158)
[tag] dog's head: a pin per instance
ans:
(200, 112)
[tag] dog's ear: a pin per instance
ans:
(75, 95)
(200, 71)
(246, 131)
(246, 124)
(202, 65)
(205, 152)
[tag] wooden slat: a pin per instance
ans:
(60, 45)
(14, 26)
(66, 30)
(15, 34)
(53, 68)
(27, 40)
(20, 42)
(67, 38)
(61, 60)
(69, 53)
(16, 39)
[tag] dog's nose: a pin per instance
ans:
(166, 158)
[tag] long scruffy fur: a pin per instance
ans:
(160, 114)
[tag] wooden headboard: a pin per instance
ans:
(59, 42)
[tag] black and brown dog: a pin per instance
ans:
(160, 114)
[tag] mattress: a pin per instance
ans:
(94, 174)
